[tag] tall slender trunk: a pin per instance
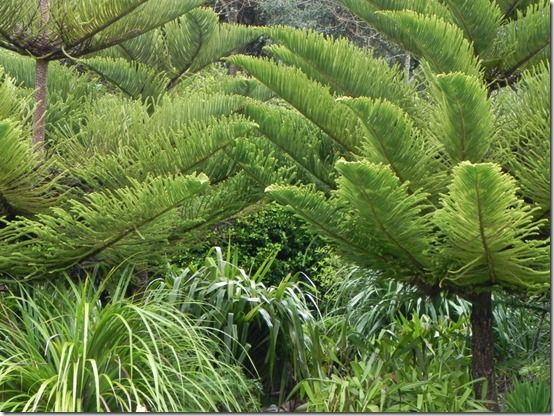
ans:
(41, 82)
(482, 347)
(39, 117)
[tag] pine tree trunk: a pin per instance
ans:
(39, 117)
(41, 82)
(482, 347)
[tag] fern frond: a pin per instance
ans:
(463, 122)
(323, 59)
(487, 232)
(307, 96)
(479, 19)
(106, 227)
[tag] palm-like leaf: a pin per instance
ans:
(487, 232)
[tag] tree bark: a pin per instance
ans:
(482, 347)
(39, 116)
(41, 82)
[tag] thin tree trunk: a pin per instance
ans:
(39, 117)
(482, 347)
(407, 67)
(41, 82)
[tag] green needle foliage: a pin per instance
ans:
(448, 197)
(64, 349)
(126, 172)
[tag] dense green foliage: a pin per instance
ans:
(64, 349)
(265, 232)
(414, 274)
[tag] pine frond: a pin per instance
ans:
(300, 140)
(396, 219)
(85, 28)
(186, 45)
(173, 112)
(26, 185)
(63, 82)
(224, 201)
(440, 43)
(479, 19)
(523, 42)
(246, 87)
(487, 232)
(323, 59)
(134, 79)
(309, 97)
(511, 7)
(258, 159)
(224, 40)
(463, 121)
(390, 138)
(106, 227)
(366, 9)
(13, 101)
(325, 217)
(188, 150)
(525, 133)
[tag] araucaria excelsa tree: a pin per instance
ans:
(441, 180)
(133, 171)
(50, 30)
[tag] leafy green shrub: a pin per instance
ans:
(417, 365)
(529, 397)
(258, 235)
(264, 321)
(63, 349)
